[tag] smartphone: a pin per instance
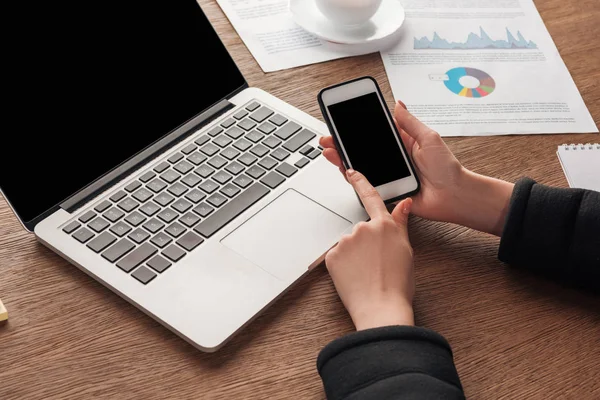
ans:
(366, 137)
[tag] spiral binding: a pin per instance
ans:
(581, 146)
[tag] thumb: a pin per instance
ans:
(401, 213)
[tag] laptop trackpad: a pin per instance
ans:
(288, 235)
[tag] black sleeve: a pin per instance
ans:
(392, 362)
(554, 232)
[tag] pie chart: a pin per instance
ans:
(486, 82)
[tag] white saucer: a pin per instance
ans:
(387, 20)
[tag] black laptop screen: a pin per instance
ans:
(91, 83)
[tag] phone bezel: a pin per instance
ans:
(391, 191)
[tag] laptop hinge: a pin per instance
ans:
(157, 148)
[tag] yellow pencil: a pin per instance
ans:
(3, 312)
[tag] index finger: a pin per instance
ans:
(368, 194)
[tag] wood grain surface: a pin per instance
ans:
(514, 336)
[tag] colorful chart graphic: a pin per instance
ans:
(486, 82)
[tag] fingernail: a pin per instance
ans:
(407, 206)
(350, 172)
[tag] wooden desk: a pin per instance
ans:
(513, 336)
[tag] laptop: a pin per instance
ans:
(146, 160)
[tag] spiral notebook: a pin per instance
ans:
(581, 164)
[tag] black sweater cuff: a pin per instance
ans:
(389, 362)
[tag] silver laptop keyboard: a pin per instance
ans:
(154, 221)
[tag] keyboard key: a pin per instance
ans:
(188, 149)
(261, 114)
(203, 139)
(214, 131)
(217, 199)
(234, 132)
(242, 145)
(170, 176)
(175, 158)
(136, 257)
(83, 235)
(273, 179)
(209, 149)
(103, 206)
(161, 167)
(252, 106)
(209, 186)
(118, 250)
(301, 162)
(278, 119)
(177, 189)
(173, 253)
(150, 208)
(271, 142)
(167, 215)
(286, 169)
(133, 186)
(144, 275)
(267, 163)
(88, 215)
(320, 147)
(99, 224)
(255, 172)
(217, 162)
(113, 215)
(230, 190)
(266, 128)
(175, 229)
(142, 195)
(135, 218)
(101, 242)
(247, 159)
(128, 204)
(189, 219)
(153, 225)
(235, 207)
(299, 140)
(164, 199)
(120, 229)
(204, 171)
(313, 154)
(280, 154)
(195, 196)
(183, 167)
(197, 158)
(288, 130)
(181, 205)
(234, 168)
(158, 263)
(191, 180)
(147, 176)
(255, 136)
(240, 114)
(71, 227)
(306, 150)
(118, 196)
(227, 123)
(243, 181)
(259, 150)
(203, 209)
(222, 141)
(156, 185)
(230, 153)
(190, 241)
(139, 235)
(247, 124)
(222, 177)
(161, 239)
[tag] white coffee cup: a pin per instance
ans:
(348, 12)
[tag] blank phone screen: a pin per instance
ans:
(368, 139)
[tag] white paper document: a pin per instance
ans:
(483, 67)
(274, 39)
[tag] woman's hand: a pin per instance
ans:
(372, 268)
(449, 192)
